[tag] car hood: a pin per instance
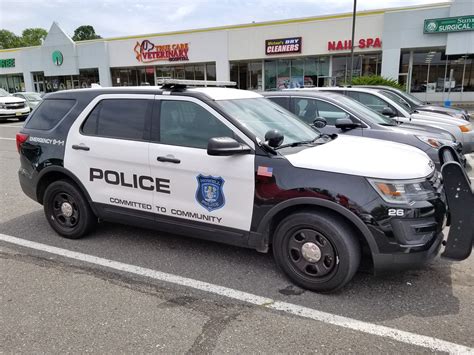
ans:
(420, 130)
(450, 110)
(438, 117)
(10, 99)
(364, 157)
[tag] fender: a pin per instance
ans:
(299, 201)
(62, 170)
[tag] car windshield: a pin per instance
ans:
(33, 96)
(364, 111)
(410, 98)
(3, 93)
(260, 115)
(397, 98)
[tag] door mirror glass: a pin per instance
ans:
(225, 146)
(319, 122)
(274, 138)
(388, 111)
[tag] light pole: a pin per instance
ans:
(352, 41)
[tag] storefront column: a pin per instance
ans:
(28, 78)
(222, 70)
(391, 63)
(105, 79)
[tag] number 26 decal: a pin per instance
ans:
(396, 212)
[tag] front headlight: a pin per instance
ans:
(435, 142)
(403, 191)
(466, 128)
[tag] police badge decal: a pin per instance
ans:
(209, 193)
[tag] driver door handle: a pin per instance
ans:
(168, 160)
(80, 147)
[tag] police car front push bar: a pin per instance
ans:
(460, 200)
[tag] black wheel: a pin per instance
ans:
(22, 119)
(67, 211)
(316, 250)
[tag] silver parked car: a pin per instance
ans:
(382, 103)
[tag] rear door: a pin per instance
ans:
(107, 149)
(203, 189)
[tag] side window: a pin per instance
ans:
(305, 109)
(372, 101)
(282, 101)
(353, 94)
(187, 124)
(118, 118)
(49, 113)
(330, 112)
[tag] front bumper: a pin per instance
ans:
(468, 142)
(14, 113)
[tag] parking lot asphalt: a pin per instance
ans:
(55, 303)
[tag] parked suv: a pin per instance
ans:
(343, 115)
(231, 166)
(415, 104)
(12, 107)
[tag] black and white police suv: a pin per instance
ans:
(231, 166)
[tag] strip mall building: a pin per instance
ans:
(430, 49)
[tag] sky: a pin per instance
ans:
(114, 18)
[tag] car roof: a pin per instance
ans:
(205, 93)
(306, 93)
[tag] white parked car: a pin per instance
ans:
(383, 104)
(12, 107)
(32, 99)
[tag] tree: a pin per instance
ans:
(9, 40)
(33, 36)
(84, 33)
(376, 80)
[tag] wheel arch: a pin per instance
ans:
(283, 209)
(51, 174)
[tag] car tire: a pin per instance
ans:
(67, 210)
(316, 250)
(22, 119)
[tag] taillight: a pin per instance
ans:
(20, 139)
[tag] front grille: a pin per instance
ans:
(436, 180)
(14, 105)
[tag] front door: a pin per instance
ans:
(217, 190)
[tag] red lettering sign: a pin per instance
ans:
(147, 52)
(364, 43)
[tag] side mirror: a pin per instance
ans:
(388, 111)
(274, 138)
(320, 122)
(225, 146)
(346, 123)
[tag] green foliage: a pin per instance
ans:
(84, 33)
(9, 40)
(376, 80)
(30, 37)
(33, 36)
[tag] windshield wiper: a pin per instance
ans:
(295, 144)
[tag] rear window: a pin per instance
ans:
(49, 113)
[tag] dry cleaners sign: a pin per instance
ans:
(147, 52)
(283, 45)
(449, 24)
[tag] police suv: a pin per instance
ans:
(230, 166)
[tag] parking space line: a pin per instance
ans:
(431, 343)
(8, 139)
(12, 125)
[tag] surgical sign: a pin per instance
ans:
(147, 52)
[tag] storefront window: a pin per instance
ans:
(432, 69)
(247, 75)
(85, 78)
(12, 82)
(286, 73)
(141, 76)
(363, 65)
